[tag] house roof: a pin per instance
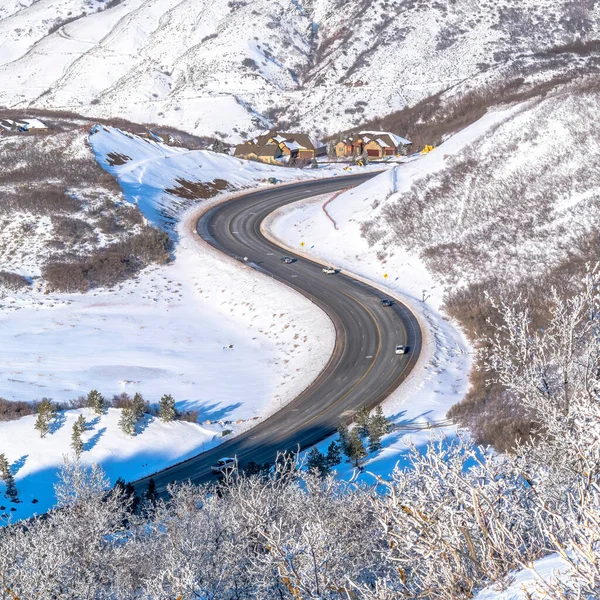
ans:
(34, 124)
(242, 149)
(387, 136)
(292, 145)
(267, 150)
(305, 140)
(270, 150)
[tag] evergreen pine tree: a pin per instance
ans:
(344, 434)
(11, 487)
(151, 495)
(166, 409)
(355, 448)
(132, 497)
(45, 415)
(334, 454)
(7, 477)
(361, 420)
(96, 402)
(76, 441)
(119, 487)
(377, 427)
(127, 421)
(81, 425)
(316, 460)
(139, 406)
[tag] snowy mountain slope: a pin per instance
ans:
(232, 68)
(222, 341)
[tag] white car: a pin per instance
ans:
(400, 349)
(329, 271)
(224, 465)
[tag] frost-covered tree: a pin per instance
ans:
(45, 415)
(166, 409)
(128, 421)
(96, 402)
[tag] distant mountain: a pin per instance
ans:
(233, 67)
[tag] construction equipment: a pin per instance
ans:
(360, 163)
(426, 150)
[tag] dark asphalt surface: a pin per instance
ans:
(363, 369)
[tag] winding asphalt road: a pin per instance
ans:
(364, 368)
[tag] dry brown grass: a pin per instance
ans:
(198, 190)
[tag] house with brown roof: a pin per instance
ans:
(273, 146)
(374, 144)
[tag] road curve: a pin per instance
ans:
(363, 369)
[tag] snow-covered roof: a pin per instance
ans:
(398, 140)
(292, 145)
(279, 138)
(382, 143)
(34, 124)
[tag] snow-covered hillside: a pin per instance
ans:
(225, 343)
(229, 68)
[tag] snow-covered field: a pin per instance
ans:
(163, 332)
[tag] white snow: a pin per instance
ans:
(163, 332)
(215, 67)
(328, 229)
(526, 583)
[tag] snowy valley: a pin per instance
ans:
(430, 317)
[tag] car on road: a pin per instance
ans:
(287, 260)
(387, 302)
(224, 466)
(330, 271)
(400, 349)
(272, 180)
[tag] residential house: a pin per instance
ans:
(374, 144)
(268, 153)
(274, 147)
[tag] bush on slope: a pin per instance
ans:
(456, 519)
(515, 213)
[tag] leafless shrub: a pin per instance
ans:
(198, 190)
(108, 265)
(62, 22)
(47, 201)
(13, 281)
(13, 410)
(72, 231)
(190, 416)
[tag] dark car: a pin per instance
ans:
(387, 302)
(287, 260)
